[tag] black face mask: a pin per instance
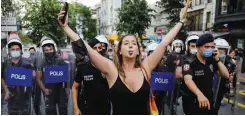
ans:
(103, 52)
(49, 55)
(32, 54)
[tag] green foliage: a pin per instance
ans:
(24, 38)
(41, 19)
(89, 24)
(134, 17)
(173, 8)
(10, 7)
(6, 7)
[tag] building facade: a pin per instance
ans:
(202, 14)
(159, 22)
(230, 18)
(107, 15)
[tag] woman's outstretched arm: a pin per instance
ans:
(105, 65)
(152, 61)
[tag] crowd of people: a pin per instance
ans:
(117, 79)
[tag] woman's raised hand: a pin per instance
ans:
(60, 16)
(183, 12)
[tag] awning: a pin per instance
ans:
(215, 34)
(220, 34)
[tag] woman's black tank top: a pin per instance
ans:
(125, 102)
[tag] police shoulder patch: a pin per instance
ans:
(186, 67)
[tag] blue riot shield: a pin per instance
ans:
(19, 84)
(164, 82)
(56, 79)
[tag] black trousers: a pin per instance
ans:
(19, 104)
(222, 91)
(57, 96)
(191, 107)
(36, 99)
(159, 99)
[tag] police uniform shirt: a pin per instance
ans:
(19, 94)
(54, 61)
(202, 74)
(24, 63)
(96, 89)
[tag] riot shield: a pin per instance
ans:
(72, 73)
(237, 107)
(216, 85)
(163, 83)
(36, 88)
(55, 78)
(18, 78)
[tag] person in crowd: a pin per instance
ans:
(198, 73)
(32, 57)
(54, 93)
(95, 91)
(18, 97)
(191, 50)
(127, 76)
(224, 83)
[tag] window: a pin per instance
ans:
(208, 21)
(209, 1)
(197, 20)
(199, 2)
(208, 17)
(122, 2)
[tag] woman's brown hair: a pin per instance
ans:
(118, 60)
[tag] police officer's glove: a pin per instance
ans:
(79, 47)
(81, 59)
(80, 51)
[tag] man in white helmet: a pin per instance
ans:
(191, 50)
(173, 60)
(54, 93)
(190, 45)
(17, 95)
(104, 44)
(223, 88)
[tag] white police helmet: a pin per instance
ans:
(189, 38)
(14, 38)
(152, 46)
(177, 42)
(46, 40)
(102, 39)
(222, 44)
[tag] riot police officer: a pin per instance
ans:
(173, 60)
(95, 90)
(223, 83)
(55, 92)
(17, 74)
(104, 44)
(191, 50)
(198, 75)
